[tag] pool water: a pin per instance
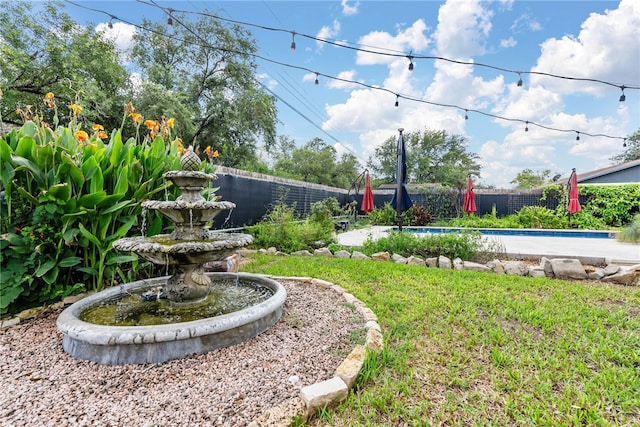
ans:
(587, 234)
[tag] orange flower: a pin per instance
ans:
(81, 135)
(48, 96)
(151, 124)
(137, 118)
(171, 122)
(129, 108)
(97, 127)
(102, 134)
(181, 149)
(211, 154)
(76, 109)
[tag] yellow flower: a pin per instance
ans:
(49, 101)
(48, 96)
(181, 149)
(137, 118)
(97, 127)
(102, 134)
(81, 135)
(76, 109)
(211, 154)
(151, 124)
(171, 122)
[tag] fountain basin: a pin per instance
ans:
(119, 345)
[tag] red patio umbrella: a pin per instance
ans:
(574, 203)
(469, 205)
(367, 199)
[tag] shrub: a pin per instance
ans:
(67, 197)
(631, 233)
(420, 216)
(281, 229)
(540, 217)
(387, 215)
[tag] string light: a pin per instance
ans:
(577, 136)
(410, 63)
(293, 40)
(421, 100)
(466, 116)
(624, 143)
(110, 24)
(170, 19)
(519, 80)
(622, 97)
(317, 82)
(526, 126)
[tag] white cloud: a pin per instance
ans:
(600, 51)
(346, 85)
(410, 39)
(510, 42)
(121, 35)
(525, 23)
(349, 10)
(328, 33)
(463, 26)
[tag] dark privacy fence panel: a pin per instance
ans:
(256, 194)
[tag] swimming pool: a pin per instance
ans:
(534, 232)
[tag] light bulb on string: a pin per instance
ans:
(110, 24)
(170, 19)
(293, 40)
(622, 97)
(624, 143)
(410, 63)
(317, 82)
(466, 116)
(519, 80)
(577, 136)
(397, 98)
(526, 126)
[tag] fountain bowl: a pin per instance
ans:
(119, 345)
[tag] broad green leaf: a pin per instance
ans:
(70, 235)
(29, 129)
(116, 149)
(93, 239)
(89, 270)
(89, 167)
(5, 152)
(60, 191)
(70, 261)
(110, 200)
(26, 164)
(51, 275)
(92, 199)
(118, 206)
(9, 294)
(122, 183)
(27, 196)
(104, 220)
(44, 268)
(123, 229)
(97, 181)
(68, 167)
(26, 148)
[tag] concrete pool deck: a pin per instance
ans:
(588, 251)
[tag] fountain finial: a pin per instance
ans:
(190, 160)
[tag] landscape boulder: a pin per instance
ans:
(568, 269)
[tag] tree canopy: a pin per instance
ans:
(204, 73)
(527, 178)
(631, 150)
(432, 157)
(46, 51)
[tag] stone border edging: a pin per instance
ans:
(336, 389)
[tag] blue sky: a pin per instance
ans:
(583, 39)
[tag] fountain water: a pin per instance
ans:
(151, 321)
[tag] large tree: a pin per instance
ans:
(315, 162)
(43, 50)
(432, 157)
(208, 70)
(631, 150)
(527, 178)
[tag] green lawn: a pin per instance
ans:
(466, 348)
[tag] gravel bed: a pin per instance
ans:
(43, 386)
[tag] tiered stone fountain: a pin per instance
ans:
(151, 321)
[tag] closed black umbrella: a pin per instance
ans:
(401, 200)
